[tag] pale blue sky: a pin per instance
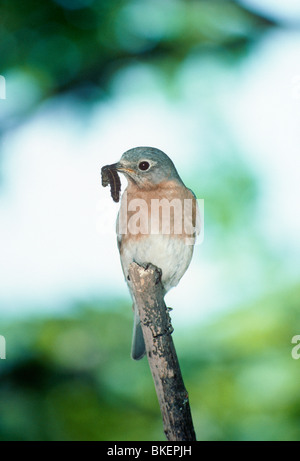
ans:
(53, 245)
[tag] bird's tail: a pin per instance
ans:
(138, 349)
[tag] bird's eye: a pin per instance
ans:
(144, 166)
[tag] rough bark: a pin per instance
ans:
(146, 287)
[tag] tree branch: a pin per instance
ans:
(147, 291)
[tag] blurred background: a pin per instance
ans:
(216, 85)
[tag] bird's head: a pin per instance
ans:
(146, 167)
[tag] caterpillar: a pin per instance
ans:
(110, 176)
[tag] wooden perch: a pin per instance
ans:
(147, 291)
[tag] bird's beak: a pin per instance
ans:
(119, 167)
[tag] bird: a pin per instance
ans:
(158, 221)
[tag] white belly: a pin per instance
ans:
(171, 254)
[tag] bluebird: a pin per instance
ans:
(157, 223)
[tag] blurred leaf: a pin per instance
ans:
(73, 379)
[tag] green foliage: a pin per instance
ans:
(59, 46)
(72, 378)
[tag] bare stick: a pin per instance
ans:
(173, 398)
